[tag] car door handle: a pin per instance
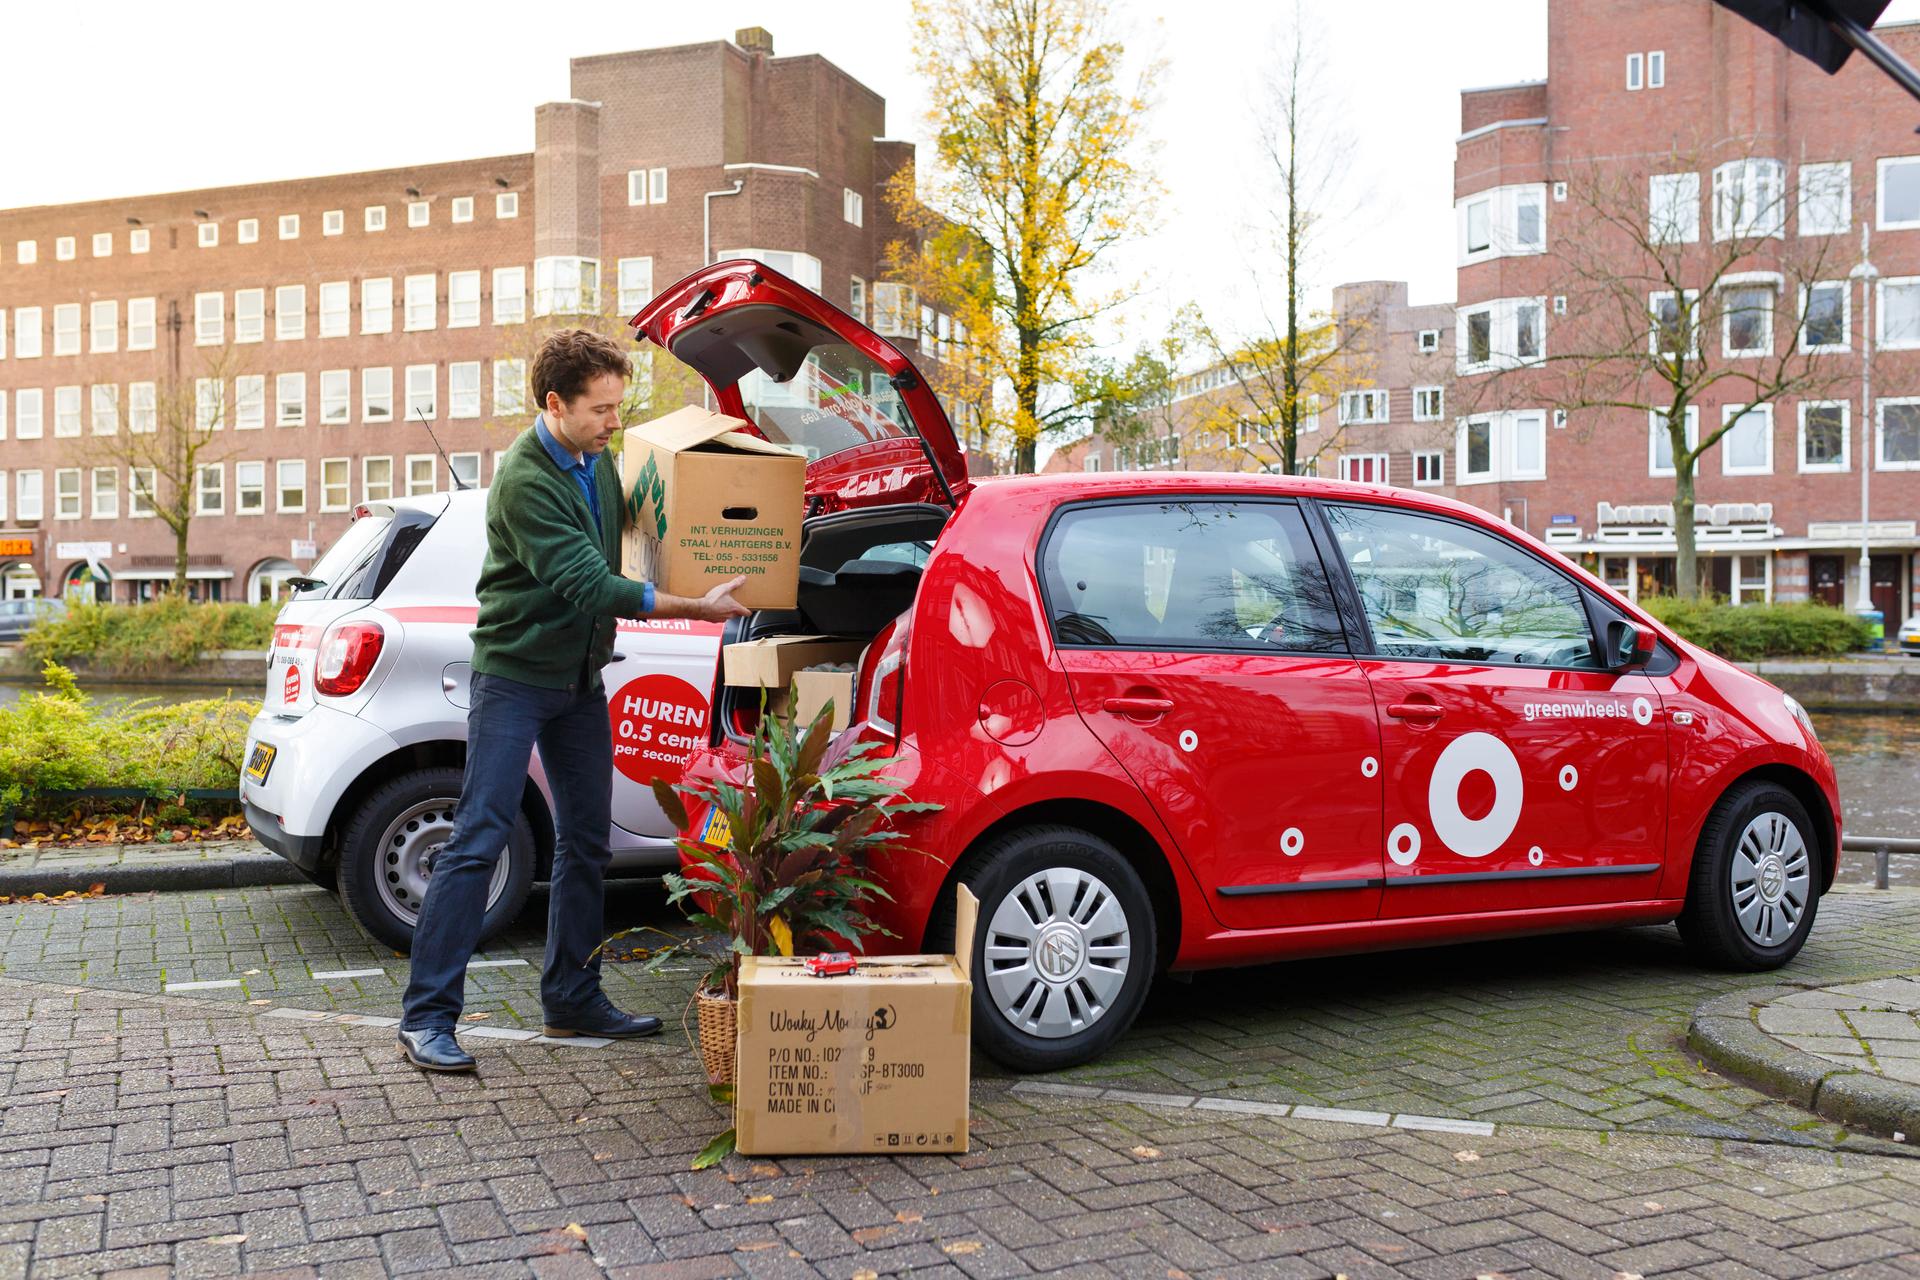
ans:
(1424, 712)
(1139, 706)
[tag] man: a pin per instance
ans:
(550, 590)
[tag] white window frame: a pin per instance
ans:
(143, 408)
(420, 303)
(1880, 219)
(1736, 185)
(852, 207)
(103, 408)
(103, 325)
(344, 487)
(1436, 411)
(506, 204)
(366, 468)
(1379, 462)
(247, 231)
(1438, 459)
(1846, 318)
(342, 397)
(1503, 206)
(218, 472)
(1846, 438)
(510, 378)
(1464, 473)
(1818, 182)
(290, 400)
(454, 478)
(208, 235)
(209, 404)
(633, 284)
(1677, 220)
(105, 499)
(29, 484)
(1909, 285)
(1428, 341)
(289, 226)
(1880, 405)
(463, 402)
(66, 413)
(374, 218)
(565, 286)
(1727, 348)
(335, 308)
(103, 244)
(143, 329)
(857, 299)
(657, 185)
(1365, 407)
(66, 329)
(460, 209)
(1636, 72)
(1692, 299)
(419, 376)
(143, 485)
(27, 322)
(419, 213)
(333, 222)
(26, 252)
(139, 240)
(368, 376)
(1503, 332)
(416, 463)
(29, 413)
(463, 299)
(636, 187)
(509, 295)
(290, 313)
(242, 488)
(67, 503)
(1533, 421)
(376, 304)
(281, 469)
(1657, 69)
(1732, 413)
(249, 315)
(803, 268)
(250, 402)
(1657, 435)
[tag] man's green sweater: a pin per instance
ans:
(550, 588)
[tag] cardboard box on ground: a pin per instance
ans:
(803, 663)
(706, 502)
(875, 1061)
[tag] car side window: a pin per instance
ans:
(1439, 589)
(1183, 575)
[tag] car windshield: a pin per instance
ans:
(838, 400)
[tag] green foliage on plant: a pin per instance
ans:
(795, 875)
(1751, 631)
(61, 740)
(136, 638)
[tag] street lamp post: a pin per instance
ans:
(1865, 273)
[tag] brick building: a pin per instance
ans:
(338, 311)
(1631, 84)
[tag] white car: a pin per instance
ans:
(355, 761)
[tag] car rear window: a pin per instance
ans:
(363, 561)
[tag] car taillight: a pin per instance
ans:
(887, 685)
(347, 653)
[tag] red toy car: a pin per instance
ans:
(1177, 721)
(832, 964)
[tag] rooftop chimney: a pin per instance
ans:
(755, 40)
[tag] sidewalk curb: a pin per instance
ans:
(1724, 1032)
(238, 872)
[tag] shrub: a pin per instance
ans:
(1747, 632)
(61, 740)
(133, 638)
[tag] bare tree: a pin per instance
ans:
(660, 383)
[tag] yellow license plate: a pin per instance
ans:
(716, 832)
(260, 761)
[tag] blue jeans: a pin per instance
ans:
(504, 721)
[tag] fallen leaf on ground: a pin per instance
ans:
(756, 1245)
(259, 1002)
(1147, 1153)
(759, 1199)
(867, 1235)
(1653, 1205)
(478, 1017)
(1466, 1157)
(575, 1230)
(908, 1216)
(94, 1198)
(962, 1246)
(238, 1237)
(865, 1274)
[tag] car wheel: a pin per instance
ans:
(1063, 951)
(1754, 890)
(387, 851)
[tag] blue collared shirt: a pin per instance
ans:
(582, 473)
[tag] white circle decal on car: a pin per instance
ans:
(1292, 841)
(1642, 711)
(1403, 845)
(1369, 767)
(1189, 740)
(1569, 777)
(1469, 753)
(1536, 855)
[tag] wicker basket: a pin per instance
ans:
(719, 1018)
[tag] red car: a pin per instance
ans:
(1180, 721)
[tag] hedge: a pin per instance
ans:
(1750, 631)
(137, 638)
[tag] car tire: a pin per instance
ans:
(398, 826)
(1755, 885)
(1023, 1018)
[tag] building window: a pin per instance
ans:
(1898, 187)
(1502, 446)
(249, 402)
(140, 324)
(290, 400)
(1429, 467)
(209, 489)
(29, 413)
(29, 497)
(376, 305)
(1636, 70)
(376, 395)
(336, 309)
(802, 268)
(417, 213)
(139, 240)
(635, 284)
(1826, 198)
(143, 408)
(1823, 435)
(376, 479)
(462, 210)
(103, 244)
(1673, 208)
(66, 329)
(1429, 340)
(289, 226)
(1502, 222)
(142, 488)
(66, 493)
(336, 484)
(26, 333)
(421, 305)
(1825, 319)
(1897, 443)
(1479, 344)
(857, 299)
(1529, 331)
(375, 218)
(463, 389)
(26, 252)
(1429, 404)
(290, 484)
(1501, 333)
(1657, 69)
(421, 382)
(66, 412)
(249, 488)
(106, 493)
(853, 208)
(103, 326)
(1529, 448)
(249, 315)
(1091, 462)
(1747, 321)
(566, 286)
(1747, 447)
(1476, 449)
(1675, 320)
(506, 204)
(1899, 312)
(463, 299)
(333, 222)
(464, 470)
(290, 312)
(1660, 441)
(422, 475)
(336, 397)
(656, 186)
(1363, 406)
(509, 387)
(1749, 199)
(509, 295)
(209, 234)
(103, 408)
(1364, 468)
(894, 309)
(636, 186)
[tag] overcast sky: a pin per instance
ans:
(160, 99)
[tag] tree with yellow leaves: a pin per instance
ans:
(1040, 173)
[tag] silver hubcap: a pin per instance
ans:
(1771, 879)
(1057, 952)
(406, 856)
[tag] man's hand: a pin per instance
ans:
(717, 605)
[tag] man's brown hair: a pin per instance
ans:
(571, 358)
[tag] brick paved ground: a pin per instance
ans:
(145, 1130)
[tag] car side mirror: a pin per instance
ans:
(1629, 645)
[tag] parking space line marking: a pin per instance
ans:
(578, 1042)
(498, 1033)
(1341, 1115)
(493, 964)
(299, 1015)
(209, 985)
(1249, 1106)
(1440, 1124)
(365, 1020)
(1244, 1106)
(324, 975)
(1151, 1099)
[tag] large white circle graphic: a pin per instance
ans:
(1474, 837)
(1642, 711)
